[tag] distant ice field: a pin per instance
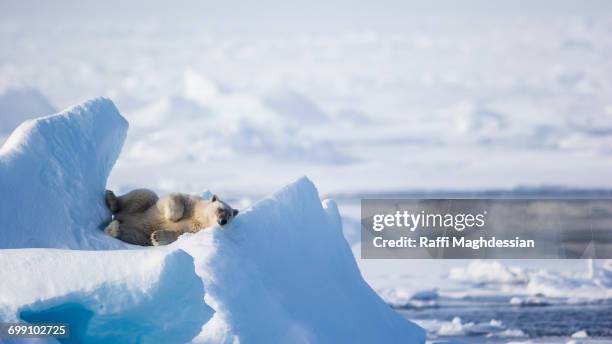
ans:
(457, 102)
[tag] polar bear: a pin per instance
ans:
(140, 217)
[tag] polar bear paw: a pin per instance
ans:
(163, 237)
(112, 229)
(112, 202)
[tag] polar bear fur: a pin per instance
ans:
(140, 217)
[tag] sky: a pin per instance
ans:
(293, 16)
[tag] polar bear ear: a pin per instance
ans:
(214, 198)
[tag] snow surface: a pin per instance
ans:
(510, 279)
(281, 272)
(580, 334)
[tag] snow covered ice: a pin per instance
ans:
(106, 296)
(310, 290)
(480, 301)
(53, 171)
(281, 272)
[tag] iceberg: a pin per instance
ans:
(53, 173)
(106, 296)
(281, 272)
(297, 278)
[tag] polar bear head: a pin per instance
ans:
(220, 211)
